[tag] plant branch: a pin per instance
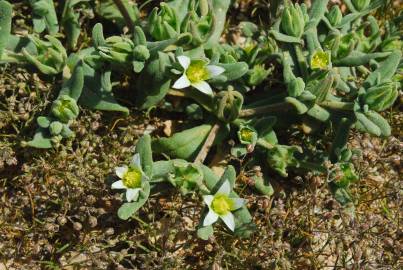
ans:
(177, 93)
(205, 101)
(125, 14)
(207, 144)
(282, 106)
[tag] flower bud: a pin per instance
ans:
(228, 105)
(163, 23)
(247, 135)
(334, 16)
(51, 56)
(392, 45)
(65, 108)
(141, 53)
(320, 60)
(296, 87)
(43, 121)
(345, 175)
(360, 5)
(347, 44)
(123, 46)
(117, 50)
(381, 97)
(292, 21)
(281, 156)
(55, 128)
(67, 132)
(257, 75)
(186, 177)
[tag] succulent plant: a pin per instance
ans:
(293, 20)
(333, 71)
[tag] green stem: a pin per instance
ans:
(263, 143)
(312, 40)
(312, 166)
(276, 107)
(338, 105)
(364, 71)
(303, 66)
(159, 180)
(202, 99)
(341, 137)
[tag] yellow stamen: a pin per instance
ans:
(132, 179)
(222, 204)
(246, 135)
(320, 60)
(197, 71)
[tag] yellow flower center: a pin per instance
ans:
(246, 135)
(197, 71)
(222, 204)
(132, 179)
(249, 47)
(320, 60)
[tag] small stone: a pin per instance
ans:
(49, 227)
(209, 248)
(61, 220)
(91, 199)
(109, 231)
(92, 221)
(77, 226)
(216, 266)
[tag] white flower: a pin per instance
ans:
(132, 179)
(221, 205)
(195, 74)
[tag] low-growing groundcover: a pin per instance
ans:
(200, 134)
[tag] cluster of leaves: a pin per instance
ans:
(339, 71)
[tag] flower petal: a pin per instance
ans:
(120, 171)
(229, 220)
(203, 87)
(136, 160)
(210, 218)
(184, 61)
(208, 199)
(225, 188)
(118, 185)
(238, 203)
(215, 70)
(182, 82)
(132, 194)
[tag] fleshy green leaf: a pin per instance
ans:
(95, 96)
(41, 139)
(128, 209)
(143, 147)
(5, 24)
(184, 144)
(108, 10)
(205, 232)
(73, 87)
